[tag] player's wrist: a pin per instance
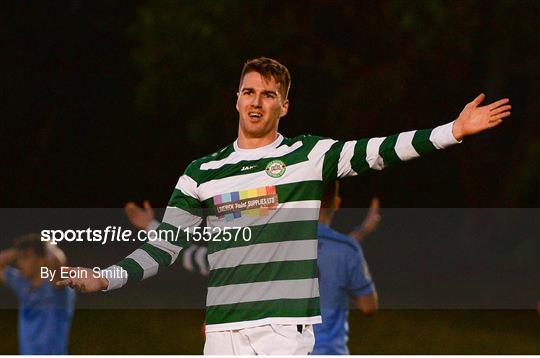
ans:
(457, 130)
(104, 283)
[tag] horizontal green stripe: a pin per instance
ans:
(193, 170)
(358, 162)
(421, 142)
(185, 202)
(134, 270)
(277, 232)
(387, 150)
(270, 271)
(172, 234)
(298, 191)
(161, 257)
(249, 311)
(232, 170)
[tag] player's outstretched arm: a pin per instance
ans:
(182, 214)
(86, 280)
(475, 119)
(193, 257)
(342, 159)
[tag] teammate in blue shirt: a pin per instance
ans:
(343, 274)
(45, 311)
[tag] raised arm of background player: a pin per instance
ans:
(337, 159)
(55, 259)
(193, 257)
(370, 223)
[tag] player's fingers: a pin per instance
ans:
(76, 285)
(478, 99)
(375, 203)
(64, 283)
(498, 103)
(500, 109)
(500, 116)
(495, 123)
(147, 205)
(129, 207)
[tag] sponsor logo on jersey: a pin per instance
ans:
(276, 168)
(251, 202)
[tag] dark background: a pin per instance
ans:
(108, 102)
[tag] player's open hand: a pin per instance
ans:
(140, 217)
(474, 119)
(83, 280)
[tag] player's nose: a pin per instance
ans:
(256, 101)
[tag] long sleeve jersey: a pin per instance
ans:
(267, 274)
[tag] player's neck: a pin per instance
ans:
(247, 142)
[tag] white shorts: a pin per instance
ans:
(282, 339)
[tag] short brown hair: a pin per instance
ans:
(31, 242)
(269, 68)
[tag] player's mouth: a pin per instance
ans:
(255, 116)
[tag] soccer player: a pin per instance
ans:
(263, 294)
(45, 311)
(343, 271)
(343, 274)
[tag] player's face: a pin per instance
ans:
(28, 263)
(260, 106)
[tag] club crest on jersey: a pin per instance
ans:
(276, 168)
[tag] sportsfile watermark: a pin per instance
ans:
(64, 273)
(118, 234)
(444, 258)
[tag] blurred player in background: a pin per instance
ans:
(45, 310)
(343, 274)
(263, 294)
(343, 271)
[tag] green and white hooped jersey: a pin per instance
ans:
(274, 192)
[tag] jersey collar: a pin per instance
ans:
(272, 145)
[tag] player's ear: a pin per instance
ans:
(337, 202)
(237, 99)
(284, 108)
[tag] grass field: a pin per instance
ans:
(388, 332)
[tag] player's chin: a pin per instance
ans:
(255, 128)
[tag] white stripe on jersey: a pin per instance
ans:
(262, 291)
